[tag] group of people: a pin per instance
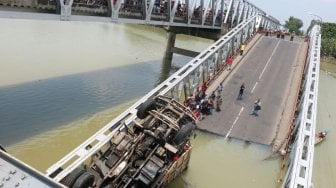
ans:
(202, 105)
(89, 2)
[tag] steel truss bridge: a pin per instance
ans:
(245, 19)
(214, 14)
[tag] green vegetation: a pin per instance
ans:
(328, 48)
(293, 25)
(328, 41)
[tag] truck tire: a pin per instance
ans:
(145, 108)
(83, 181)
(72, 177)
(183, 133)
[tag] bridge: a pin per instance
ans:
(291, 104)
(212, 14)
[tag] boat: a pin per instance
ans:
(319, 137)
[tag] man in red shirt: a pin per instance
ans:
(229, 62)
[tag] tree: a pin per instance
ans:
(328, 42)
(328, 30)
(293, 25)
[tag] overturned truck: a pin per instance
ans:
(150, 152)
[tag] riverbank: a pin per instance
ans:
(328, 65)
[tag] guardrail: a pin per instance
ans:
(300, 167)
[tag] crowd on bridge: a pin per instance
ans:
(160, 7)
(90, 3)
(202, 105)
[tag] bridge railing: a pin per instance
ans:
(300, 166)
(181, 84)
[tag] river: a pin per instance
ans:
(62, 81)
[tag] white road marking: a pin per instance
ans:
(233, 124)
(255, 85)
(269, 60)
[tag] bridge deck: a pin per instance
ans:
(271, 70)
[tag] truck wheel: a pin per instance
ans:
(83, 181)
(183, 133)
(145, 108)
(72, 177)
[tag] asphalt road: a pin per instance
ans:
(267, 73)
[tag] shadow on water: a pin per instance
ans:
(31, 108)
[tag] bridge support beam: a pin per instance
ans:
(184, 52)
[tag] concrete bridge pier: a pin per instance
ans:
(170, 50)
(170, 45)
(168, 56)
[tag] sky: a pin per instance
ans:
(283, 9)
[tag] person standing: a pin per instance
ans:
(242, 48)
(218, 102)
(229, 62)
(256, 107)
(241, 92)
(220, 88)
(292, 36)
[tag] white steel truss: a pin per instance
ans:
(300, 169)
